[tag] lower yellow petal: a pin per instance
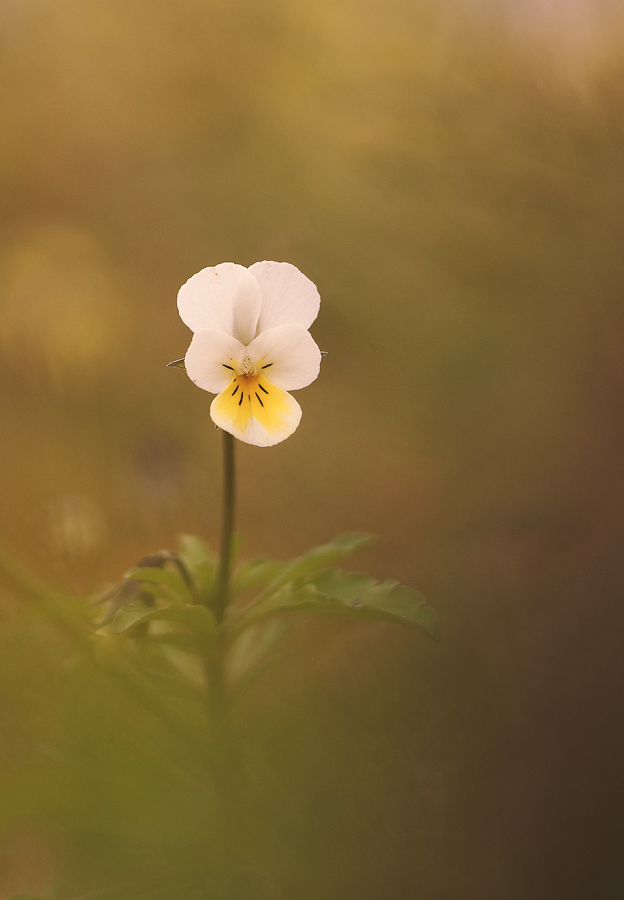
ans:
(256, 411)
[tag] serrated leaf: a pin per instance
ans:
(164, 578)
(199, 560)
(361, 592)
(354, 595)
(315, 559)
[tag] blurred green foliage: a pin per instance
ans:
(451, 176)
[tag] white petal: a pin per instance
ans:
(211, 359)
(224, 298)
(288, 356)
(249, 418)
(288, 297)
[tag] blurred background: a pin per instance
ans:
(450, 173)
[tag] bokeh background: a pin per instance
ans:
(450, 173)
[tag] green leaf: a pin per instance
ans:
(366, 596)
(315, 559)
(164, 578)
(149, 589)
(199, 561)
(250, 649)
(256, 573)
(129, 615)
(351, 594)
(198, 618)
(175, 639)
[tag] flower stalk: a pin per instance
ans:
(222, 593)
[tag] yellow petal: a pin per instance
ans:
(256, 411)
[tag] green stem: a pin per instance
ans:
(227, 529)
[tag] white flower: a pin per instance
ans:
(251, 345)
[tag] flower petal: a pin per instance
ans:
(211, 359)
(223, 298)
(288, 356)
(254, 414)
(288, 297)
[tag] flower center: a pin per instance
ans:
(247, 367)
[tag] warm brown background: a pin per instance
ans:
(451, 175)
